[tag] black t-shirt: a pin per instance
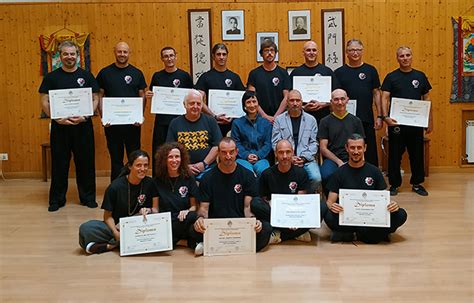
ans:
(178, 78)
(60, 79)
(121, 82)
(359, 82)
(214, 79)
(366, 177)
(320, 70)
(295, 124)
(174, 194)
(121, 204)
(409, 85)
(273, 181)
(226, 192)
(337, 131)
(269, 86)
(198, 137)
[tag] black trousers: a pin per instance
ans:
(262, 211)
(78, 139)
(371, 141)
(371, 235)
(181, 228)
(120, 137)
(410, 138)
(159, 138)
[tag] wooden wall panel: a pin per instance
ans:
(149, 26)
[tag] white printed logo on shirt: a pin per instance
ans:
(81, 81)
(415, 83)
(275, 81)
(362, 76)
(128, 79)
(228, 82)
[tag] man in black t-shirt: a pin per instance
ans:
(405, 82)
(357, 174)
(227, 192)
(283, 178)
(121, 79)
(270, 82)
(311, 67)
(361, 82)
(170, 76)
(71, 134)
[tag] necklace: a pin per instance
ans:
(173, 184)
(140, 199)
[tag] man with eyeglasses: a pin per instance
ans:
(361, 82)
(311, 67)
(170, 76)
(270, 81)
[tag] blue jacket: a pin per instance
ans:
(252, 138)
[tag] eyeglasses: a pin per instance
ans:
(358, 50)
(267, 51)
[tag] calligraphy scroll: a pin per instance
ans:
(333, 37)
(200, 41)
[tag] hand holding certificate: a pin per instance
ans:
(228, 102)
(168, 100)
(410, 112)
(139, 236)
(295, 211)
(229, 236)
(74, 102)
(364, 207)
(317, 88)
(120, 111)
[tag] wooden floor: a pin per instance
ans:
(430, 258)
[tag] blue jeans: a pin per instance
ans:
(256, 168)
(314, 174)
(327, 169)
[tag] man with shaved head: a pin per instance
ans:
(121, 79)
(334, 130)
(311, 67)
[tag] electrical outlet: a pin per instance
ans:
(3, 156)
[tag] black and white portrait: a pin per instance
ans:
(233, 25)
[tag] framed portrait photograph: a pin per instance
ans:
(233, 25)
(262, 36)
(299, 25)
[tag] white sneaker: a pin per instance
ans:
(275, 237)
(199, 250)
(306, 237)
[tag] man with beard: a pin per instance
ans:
(358, 174)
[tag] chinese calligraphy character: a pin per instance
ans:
(200, 57)
(334, 59)
(332, 21)
(198, 74)
(332, 36)
(200, 21)
(199, 39)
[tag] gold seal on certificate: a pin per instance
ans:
(139, 236)
(317, 88)
(410, 112)
(233, 236)
(364, 207)
(168, 100)
(121, 111)
(228, 102)
(295, 211)
(74, 102)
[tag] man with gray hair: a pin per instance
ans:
(71, 134)
(361, 82)
(199, 133)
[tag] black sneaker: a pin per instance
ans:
(339, 236)
(419, 189)
(393, 191)
(98, 248)
(91, 204)
(55, 206)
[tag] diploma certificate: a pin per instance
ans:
(299, 211)
(73, 102)
(351, 107)
(116, 111)
(140, 237)
(228, 102)
(410, 112)
(168, 100)
(229, 236)
(317, 88)
(364, 207)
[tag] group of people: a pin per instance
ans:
(278, 127)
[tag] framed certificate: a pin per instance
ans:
(228, 102)
(168, 100)
(317, 88)
(410, 112)
(74, 102)
(351, 106)
(299, 211)
(364, 207)
(229, 236)
(117, 111)
(139, 236)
